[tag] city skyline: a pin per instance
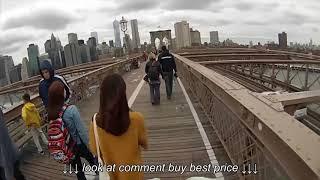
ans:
(240, 21)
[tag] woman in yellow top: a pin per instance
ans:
(121, 132)
(31, 117)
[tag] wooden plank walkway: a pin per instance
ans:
(36, 167)
(172, 131)
(174, 136)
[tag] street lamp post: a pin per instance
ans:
(124, 28)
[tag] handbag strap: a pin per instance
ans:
(96, 137)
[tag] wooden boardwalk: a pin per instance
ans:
(172, 132)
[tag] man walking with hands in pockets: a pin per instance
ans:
(168, 65)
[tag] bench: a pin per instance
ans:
(19, 132)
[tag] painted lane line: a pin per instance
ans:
(135, 93)
(203, 134)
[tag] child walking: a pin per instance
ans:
(31, 116)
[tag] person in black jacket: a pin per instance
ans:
(49, 76)
(168, 65)
(153, 71)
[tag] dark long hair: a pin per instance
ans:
(55, 99)
(113, 114)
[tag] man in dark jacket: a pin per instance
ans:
(9, 161)
(168, 64)
(153, 71)
(48, 75)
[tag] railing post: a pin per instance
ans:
(306, 88)
(273, 76)
(288, 77)
(10, 99)
(261, 73)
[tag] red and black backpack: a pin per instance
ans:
(60, 143)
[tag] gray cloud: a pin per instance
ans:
(255, 23)
(243, 6)
(13, 48)
(268, 7)
(223, 22)
(293, 17)
(315, 29)
(128, 6)
(10, 42)
(187, 4)
(231, 18)
(43, 19)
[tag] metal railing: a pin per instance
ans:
(252, 129)
(80, 86)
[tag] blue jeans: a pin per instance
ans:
(155, 92)
(168, 78)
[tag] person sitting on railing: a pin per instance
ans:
(49, 76)
(9, 160)
(31, 117)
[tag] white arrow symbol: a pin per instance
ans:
(70, 169)
(244, 169)
(249, 171)
(255, 169)
(76, 169)
(65, 169)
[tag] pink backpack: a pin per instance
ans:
(60, 143)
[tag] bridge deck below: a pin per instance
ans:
(172, 132)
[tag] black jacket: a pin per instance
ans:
(149, 64)
(167, 62)
(45, 83)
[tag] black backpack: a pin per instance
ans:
(153, 73)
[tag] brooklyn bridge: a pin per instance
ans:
(230, 106)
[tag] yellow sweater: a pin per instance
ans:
(30, 115)
(124, 149)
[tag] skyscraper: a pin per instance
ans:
(6, 63)
(84, 52)
(195, 37)
(95, 35)
(250, 44)
(182, 32)
(104, 48)
(111, 44)
(214, 37)
(93, 48)
(135, 34)
(33, 54)
(72, 54)
(282, 40)
(310, 43)
(15, 73)
(53, 48)
(116, 28)
(24, 69)
(73, 38)
(127, 42)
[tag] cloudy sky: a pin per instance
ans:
(32, 21)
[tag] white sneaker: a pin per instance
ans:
(41, 153)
